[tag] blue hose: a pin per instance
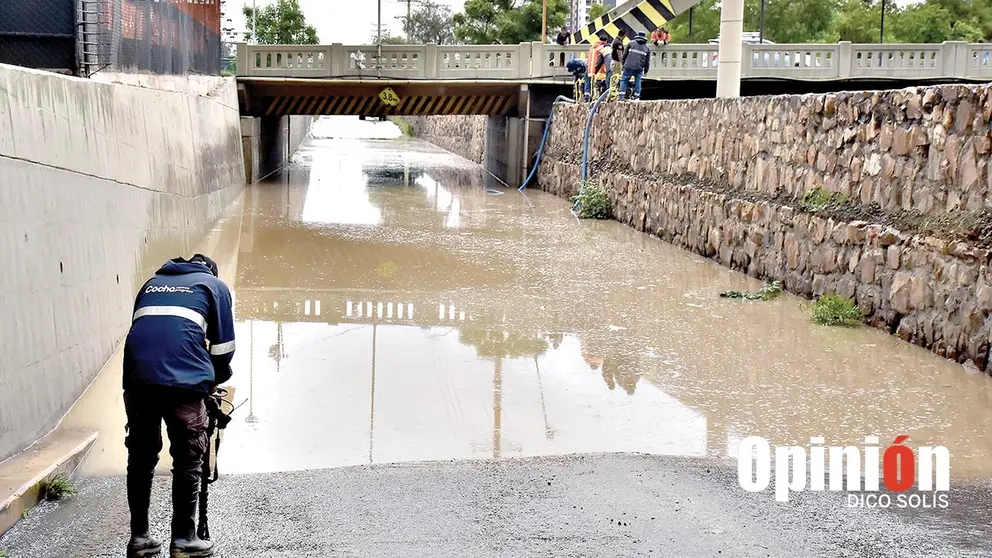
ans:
(544, 140)
(585, 140)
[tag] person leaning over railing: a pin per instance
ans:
(661, 37)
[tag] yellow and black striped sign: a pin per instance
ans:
(644, 17)
(371, 105)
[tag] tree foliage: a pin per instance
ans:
(430, 23)
(597, 9)
(506, 21)
(282, 23)
(858, 21)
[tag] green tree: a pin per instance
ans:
(923, 23)
(388, 40)
(705, 23)
(282, 23)
(597, 9)
(430, 23)
(505, 21)
(792, 21)
(857, 21)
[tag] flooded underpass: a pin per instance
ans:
(396, 304)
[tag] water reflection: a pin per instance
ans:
(458, 324)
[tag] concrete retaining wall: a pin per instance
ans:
(495, 142)
(723, 178)
(462, 135)
(99, 184)
(269, 143)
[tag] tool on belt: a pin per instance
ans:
(218, 420)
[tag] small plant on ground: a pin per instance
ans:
(819, 199)
(768, 292)
(591, 202)
(57, 488)
(3, 554)
(835, 310)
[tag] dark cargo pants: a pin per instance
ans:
(185, 416)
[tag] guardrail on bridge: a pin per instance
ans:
(534, 61)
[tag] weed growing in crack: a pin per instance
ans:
(57, 488)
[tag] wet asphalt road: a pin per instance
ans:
(586, 505)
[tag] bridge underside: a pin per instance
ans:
(296, 96)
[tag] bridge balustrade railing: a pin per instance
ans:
(484, 61)
(683, 61)
(797, 61)
(978, 60)
(813, 62)
(903, 61)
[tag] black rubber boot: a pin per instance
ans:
(143, 546)
(185, 543)
(139, 488)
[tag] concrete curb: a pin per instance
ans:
(21, 475)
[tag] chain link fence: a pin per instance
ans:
(39, 34)
(160, 36)
(86, 36)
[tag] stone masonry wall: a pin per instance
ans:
(461, 135)
(721, 178)
(925, 149)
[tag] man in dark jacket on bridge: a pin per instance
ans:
(178, 351)
(636, 63)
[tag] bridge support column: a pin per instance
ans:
(504, 148)
(251, 132)
(728, 71)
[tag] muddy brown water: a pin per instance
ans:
(394, 303)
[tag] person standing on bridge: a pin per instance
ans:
(178, 351)
(616, 62)
(636, 63)
(596, 67)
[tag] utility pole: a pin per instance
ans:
(544, 22)
(409, 14)
(761, 26)
(881, 27)
(378, 41)
(254, 20)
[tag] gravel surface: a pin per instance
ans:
(582, 505)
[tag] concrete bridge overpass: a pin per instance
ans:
(279, 80)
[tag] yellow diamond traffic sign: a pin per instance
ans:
(389, 97)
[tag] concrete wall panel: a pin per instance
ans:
(99, 184)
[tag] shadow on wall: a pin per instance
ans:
(99, 184)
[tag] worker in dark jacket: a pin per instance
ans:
(178, 351)
(636, 63)
(616, 62)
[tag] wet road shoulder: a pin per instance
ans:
(580, 505)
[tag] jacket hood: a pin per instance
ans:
(641, 39)
(179, 266)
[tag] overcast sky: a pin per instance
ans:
(343, 21)
(353, 21)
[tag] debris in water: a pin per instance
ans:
(768, 292)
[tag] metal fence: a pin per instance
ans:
(38, 34)
(86, 36)
(160, 36)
